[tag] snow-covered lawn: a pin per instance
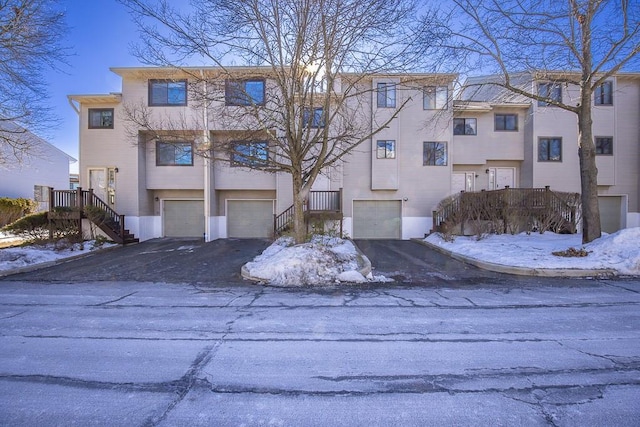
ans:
(619, 251)
(24, 256)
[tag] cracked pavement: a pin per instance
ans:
(549, 352)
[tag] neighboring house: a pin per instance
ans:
(389, 185)
(31, 175)
(510, 140)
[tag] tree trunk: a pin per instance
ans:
(588, 173)
(300, 193)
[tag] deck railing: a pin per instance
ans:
(318, 201)
(80, 199)
(523, 202)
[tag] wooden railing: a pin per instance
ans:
(317, 202)
(515, 201)
(106, 218)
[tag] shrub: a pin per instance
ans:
(13, 209)
(31, 227)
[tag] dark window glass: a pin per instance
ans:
(174, 154)
(604, 145)
(167, 92)
(244, 92)
(434, 154)
(100, 118)
(552, 91)
(506, 122)
(313, 118)
(464, 126)
(386, 95)
(250, 154)
(603, 95)
(550, 150)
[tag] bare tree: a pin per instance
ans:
(30, 45)
(569, 43)
(317, 58)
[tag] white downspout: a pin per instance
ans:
(207, 166)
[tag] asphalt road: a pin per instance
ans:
(564, 353)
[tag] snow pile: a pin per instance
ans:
(321, 261)
(619, 251)
(17, 257)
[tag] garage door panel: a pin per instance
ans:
(611, 208)
(183, 218)
(249, 218)
(377, 219)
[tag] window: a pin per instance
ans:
(434, 154)
(174, 154)
(315, 121)
(100, 118)
(244, 92)
(386, 149)
(551, 91)
(435, 98)
(550, 150)
(167, 92)
(603, 94)
(386, 95)
(604, 145)
(464, 126)
(249, 154)
(506, 122)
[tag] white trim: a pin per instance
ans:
(416, 226)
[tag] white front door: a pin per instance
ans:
(500, 178)
(98, 182)
(462, 181)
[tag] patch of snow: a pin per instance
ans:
(17, 257)
(619, 251)
(351, 276)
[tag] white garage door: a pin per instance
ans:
(249, 218)
(377, 219)
(611, 213)
(183, 218)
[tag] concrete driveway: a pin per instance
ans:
(158, 260)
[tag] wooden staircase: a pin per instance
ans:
(83, 204)
(320, 205)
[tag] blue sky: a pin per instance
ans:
(99, 36)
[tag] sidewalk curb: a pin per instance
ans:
(521, 271)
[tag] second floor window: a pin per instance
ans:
(552, 91)
(250, 154)
(604, 145)
(386, 95)
(313, 118)
(465, 127)
(167, 93)
(506, 122)
(174, 154)
(435, 98)
(603, 94)
(550, 150)
(100, 118)
(386, 149)
(244, 92)
(434, 154)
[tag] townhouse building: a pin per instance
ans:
(388, 186)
